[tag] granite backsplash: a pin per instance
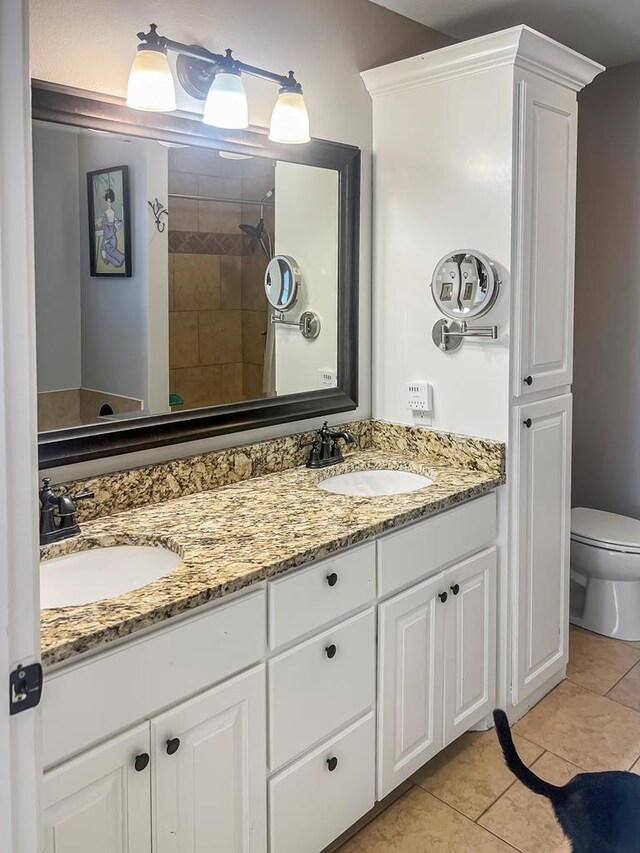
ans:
(151, 484)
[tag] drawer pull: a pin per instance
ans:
(528, 380)
(332, 763)
(332, 579)
(330, 651)
(455, 589)
(141, 761)
(173, 745)
(443, 596)
(527, 423)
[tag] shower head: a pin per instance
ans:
(253, 231)
(257, 232)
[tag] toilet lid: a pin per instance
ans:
(605, 528)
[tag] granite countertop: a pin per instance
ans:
(240, 534)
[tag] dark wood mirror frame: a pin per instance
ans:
(65, 105)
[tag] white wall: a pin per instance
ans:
(307, 229)
(116, 338)
(57, 256)
(443, 182)
(327, 44)
(157, 159)
(606, 414)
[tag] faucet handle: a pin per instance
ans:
(83, 496)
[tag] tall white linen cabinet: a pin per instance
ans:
(474, 147)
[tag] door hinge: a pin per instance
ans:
(25, 687)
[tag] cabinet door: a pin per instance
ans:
(544, 236)
(410, 649)
(470, 642)
(209, 770)
(99, 802)
(540, 546)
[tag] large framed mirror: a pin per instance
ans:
(153, 234)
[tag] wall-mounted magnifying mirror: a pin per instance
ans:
(282, 282)
(464, 284)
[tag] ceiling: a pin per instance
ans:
(605, 30)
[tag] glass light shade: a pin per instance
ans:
(226, 104)
(151, 83)
(289, 120)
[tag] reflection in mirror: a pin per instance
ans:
(135, 320)
(464, 284)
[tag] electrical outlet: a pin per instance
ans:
(420, 397)
(327, 378)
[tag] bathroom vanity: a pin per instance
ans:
(307, 691)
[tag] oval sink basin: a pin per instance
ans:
(99, 573)
(373, 484)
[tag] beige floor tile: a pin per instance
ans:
(590, 731)
(419, 823)
(527, 821)
(636, 768)
(471, 774)
(597, 663)
(627, 690)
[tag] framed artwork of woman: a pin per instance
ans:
(109, 222)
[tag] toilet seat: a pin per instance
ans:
(605, 530)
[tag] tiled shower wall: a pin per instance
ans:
(217, 306)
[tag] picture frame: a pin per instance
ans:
(109, 222)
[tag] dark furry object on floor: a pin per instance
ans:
(598, 812)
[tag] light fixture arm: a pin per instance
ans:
(197, 65)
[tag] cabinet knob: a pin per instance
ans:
(332, 579)
(141, 761)
(173, 745)
(330, 651)
(528, 380)
(527, 423)
(332, 763)
(455, 589)
(443, 596)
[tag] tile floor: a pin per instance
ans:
(465, 801)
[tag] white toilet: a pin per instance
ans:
(605, 573)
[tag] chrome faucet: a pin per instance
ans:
(325, 449)
(58, 513)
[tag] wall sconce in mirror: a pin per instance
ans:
(158, 210)
(217, 80)
(464, 285)
(282, 280)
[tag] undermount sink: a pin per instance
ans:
(87, 576)
(375, 483)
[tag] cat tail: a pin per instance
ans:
(516, 764)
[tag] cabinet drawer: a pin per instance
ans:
(409, 555)
(306, 600)
(312, 694)
(310, 805)
(138, 679)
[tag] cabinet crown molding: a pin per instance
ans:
(518, 46)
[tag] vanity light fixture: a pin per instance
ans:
(216, 79)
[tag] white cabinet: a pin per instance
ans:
(195, 775)
(317, 798)
(541, 532)
(437, 665)
(410, 652)
(100, 801)
(470, 643)
(320, 685)
(545, 225)
(209, 767)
